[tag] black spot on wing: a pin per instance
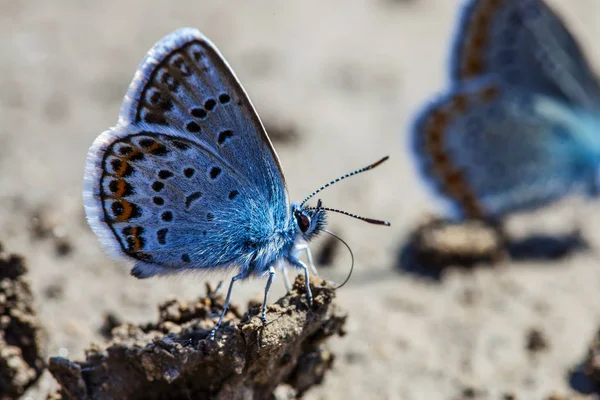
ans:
(224, 98)
(164, 174)
(189, 172)
(198, 113)
(191, 198)
(161, 236)
(192, 127)
(210, 104)
(215, 172)
(224, 135)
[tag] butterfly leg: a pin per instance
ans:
(215, 290)
(241, 275)
(297, 263)
(263, 315)
(308, 257)
(286, 279)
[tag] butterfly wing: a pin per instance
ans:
(491, 148)
(188, 178)
(526, 44)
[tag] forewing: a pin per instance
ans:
(526, 44)
(184, 83)
(491, 149)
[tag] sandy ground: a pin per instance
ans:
(347, 75)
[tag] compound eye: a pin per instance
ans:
(303, 222)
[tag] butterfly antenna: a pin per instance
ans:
(351, 255)
(369, 220)
(358, 171)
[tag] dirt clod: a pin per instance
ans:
(439, 243)
(174, 359)
(21, 337)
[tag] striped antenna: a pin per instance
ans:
(369, 220)
(358, 171)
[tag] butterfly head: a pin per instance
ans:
(308, 222)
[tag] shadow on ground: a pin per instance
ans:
(439, 244)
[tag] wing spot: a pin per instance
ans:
(125, 150)
(161, 236)
(169, 81)
(185, 258)
(113, 185)
(180, 145)
(158, 186)
(159, 201)
(215, 172)
(224, 98)
(210, 104)
(126, 231)
(199, 113)
(210, 217)
(489, 93)
(441, 160)
(233, 194)
(478, 38)
(120, 188)
(167, 216)
(159, 150)
(136, 156)
(179, 63)
(189, 172)
(124, 210)
(152, 118)
(193, 127)
(460, 103)
(203, 233)
(121, 167)
(158, 101)
(164, 174)
(192, 197)
(224, 135)
(117, 208)
(135, 240)
(147, 143)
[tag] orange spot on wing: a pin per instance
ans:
(137, 243)
(153, 146)
(127, 211)
(122, 168)
(459, 103)
(133, 154)
(489, 93)
(121, 187)
(453, 181)
(477, 38)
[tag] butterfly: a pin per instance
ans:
(519, 126)
(188, 179)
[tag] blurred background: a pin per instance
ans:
(336, 84)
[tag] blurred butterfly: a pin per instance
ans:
(520, 125)
(188, 178)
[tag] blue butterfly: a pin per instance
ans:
(520, 125)
(188, 178)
